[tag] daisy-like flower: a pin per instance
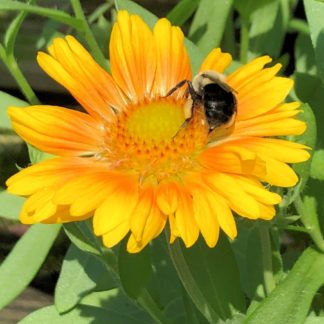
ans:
(132, 162)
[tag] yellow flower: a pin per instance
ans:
(132, 162)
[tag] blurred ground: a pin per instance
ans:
(30, 300)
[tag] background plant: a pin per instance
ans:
(272, 273)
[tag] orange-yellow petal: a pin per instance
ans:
(241, 202)
(154, 225)
(184, 219)
(116, 211)
(217, 61)
(262, 98)
(40, 208)
(254, 188)
(48, 173)
(247, 71)
(232, 159)
(278, 173)
(132, 56)
(172, 59)
(145, 206)
(278, 149)
(205, 216)
(167, 197)
(58, 130)
(270, 124)
(73, 67)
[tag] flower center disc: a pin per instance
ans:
(156, 122)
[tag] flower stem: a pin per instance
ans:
(244, 38)
(268, 280)
(148, 303)
(308, 213)
(14, 69)
(96, 51)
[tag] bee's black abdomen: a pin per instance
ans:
(219, 104)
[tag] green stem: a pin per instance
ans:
(308, 215)
(244, 40)
(96, 51)
(23, 84)
(148, 303)
(268, 280)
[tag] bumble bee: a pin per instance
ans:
(208, 90)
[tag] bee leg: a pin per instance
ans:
(194, 95)
(176, 87)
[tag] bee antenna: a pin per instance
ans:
(177, 86)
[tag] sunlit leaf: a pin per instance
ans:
(79, 275)
(289, 302)
(209, 22)
(10, 205)
(317, 166)
(304, 55)
(182, 11)
(315, 13)
(24, 261)
(248, 7)
(268, 28)
(109, 307)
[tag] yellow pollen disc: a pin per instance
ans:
(155, 140)
(157, 121)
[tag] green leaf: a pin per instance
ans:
(195, 54)
(7, 100)
(248, 253)
(166, 292)
(51, 30)
(102, 30)
(35, 155)
(308, 138)
(182, 11)
(210, 277)
(289, 302)
(109, 307)
(47, 12)
(24, 261)
(268, 28)
(248, 7)
(10, 205)
(82, 236)
(209, 22)
(79, 275)
(314, 320)
(315, 13)
(317, 166)
(80, 315)
(12, 31)
(304, 55)
(135, 270)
